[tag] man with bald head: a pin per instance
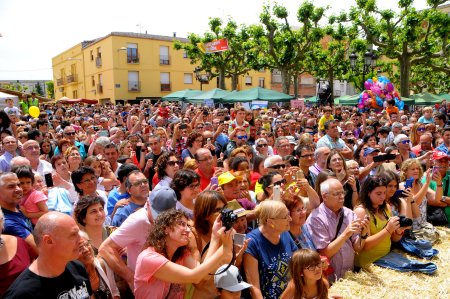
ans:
(206, 169)
(55, 273)
(336, 231)
(425, 145)
(31, 150)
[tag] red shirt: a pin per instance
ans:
(204, 181)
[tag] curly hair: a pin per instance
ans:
(406, 165)
(158, 232)
(182, 179)
(161, 164)
(83, 204)
(369, 185)
(205, 206)
(191, 138)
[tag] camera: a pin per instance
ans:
(95, 128)
(405, 221)
(228, 218)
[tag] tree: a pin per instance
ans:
(38, 89)
(411, 37)
(50, 89)
(283, 47)
(227, 64)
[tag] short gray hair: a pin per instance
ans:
(269, 160)
(325, 186)
(398, 138)
(102, 141)
(260, 140)
(5, 174)
(278, 140)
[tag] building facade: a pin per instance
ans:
(132, 66)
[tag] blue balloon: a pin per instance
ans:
(379, 101)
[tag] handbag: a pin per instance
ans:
(436, 216)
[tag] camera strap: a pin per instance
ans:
(341, 219)
(233, 259)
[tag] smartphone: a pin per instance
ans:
(208, 141)
(103, 133)
(48, 180)
(95, 128)
(399, 193)
(409, 183)
(214, 181)
(276, 193)
(183, 126)
(435, 169)
(300, 175)
(239, 239)
(220, 163)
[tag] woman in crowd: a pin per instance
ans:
(403, 143)
(206, 210)
(422, 196)
(371, 141)
(336, 163)
(85, 182)
(258, 169)
(15, 256)
(307, 280)
(186, 184)
(384, 228)
(89, 213)
(166, 265)
(101, 276)
(73, 158)
(268, 181)
(239, 164)
(297, 210)
(262, 147)
(194, 142)
(166, 166)
(403, 204)
(270, 246)
(63, 145)
(164, 136)
(62, 176)
(417, 130)
(125, 148)
(46, 150)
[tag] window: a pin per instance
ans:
(133, 81)
(307, 80)
(75, 94)
(164, 78)
(132, 53)
(188, 79)
(100, 84)
(93, 80)
(276, 76)
(261, 82)
(98, 59)
(99, 52)
(92, 55)
(248, 81)
(185, 54)
(164, 55)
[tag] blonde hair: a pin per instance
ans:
(406, 165)
(190, 164)
(269, 209)
(413, 136)
(69, 150)
(427, 109)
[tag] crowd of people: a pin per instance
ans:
(169, 200)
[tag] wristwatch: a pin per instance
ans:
(444, 199)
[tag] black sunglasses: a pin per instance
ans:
(278, 166)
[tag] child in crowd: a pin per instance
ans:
(33, 204)
(325, 117)
(229, 284)
(10, 109)
(391, 108)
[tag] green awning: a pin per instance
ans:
(213, 94)
(426, 99)
(181, 94)
(256, 94)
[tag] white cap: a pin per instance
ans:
(230, 280)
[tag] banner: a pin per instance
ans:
(259, 104)
(216, 46)
(299, 103)
(209, 102)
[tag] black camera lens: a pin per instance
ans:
(405, 221)
(228, 218)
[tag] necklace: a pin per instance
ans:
(2, 243)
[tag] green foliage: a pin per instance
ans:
(50, 89)
(38, 89)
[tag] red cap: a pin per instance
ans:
(437, 155)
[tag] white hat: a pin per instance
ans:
(230, 280)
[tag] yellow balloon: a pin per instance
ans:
(34, 111)
(375, 79)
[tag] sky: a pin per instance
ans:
(32, 32)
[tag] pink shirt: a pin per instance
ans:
(30, 202)
(147, 286)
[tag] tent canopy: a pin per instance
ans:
(213, 94)
(181, 94)
(254, 94)
(426, 98)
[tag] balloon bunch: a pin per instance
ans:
(377, 91)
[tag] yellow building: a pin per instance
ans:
(132, 66)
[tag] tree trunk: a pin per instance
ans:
(285, 80)
(234, 82)
(296, 86)
(222, 79)
(405, 72)
(330, 80)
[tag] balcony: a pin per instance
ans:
(164, 59)
(59, 82)
(71, 78)
(100, 88)
(165, 87)
(98, 61)
(134, 86)
(133, 59)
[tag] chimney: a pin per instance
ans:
(174, 34)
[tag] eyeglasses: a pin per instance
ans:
(262, 145)
(338, 193)
(182, 223)
(199, 127)
(210, 158)
(242, 137)
(314, 267)
(139, 183)
(349, 134)
(172, 163)
(29, 148)
(91, 179)
(278, 166)
(198, 140)
(307, 156)
(278, 183)
(9, 142)
(75, 154)
(194, 186)
(70, 133)
(406, 141)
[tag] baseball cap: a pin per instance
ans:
(437, 155)
(369, 150)
(291, 139)
(226, 178)
(162, 199)
(237, 209)
(230, 280)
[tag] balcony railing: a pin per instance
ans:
(134, 59)
(98, 61)
(100, 88)
(134, 86)
(165, 87)
(59, 82)
(71, 78)
(164, 59)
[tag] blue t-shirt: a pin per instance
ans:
(424, 120)
(273, 261)
(186, 153)
(122, 213)
(113, 197)
(16, 224)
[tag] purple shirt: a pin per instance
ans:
(322, 223)
(315, 169)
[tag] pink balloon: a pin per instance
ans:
(361, 106)
(390, 87)
(367, 85)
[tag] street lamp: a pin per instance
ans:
(370, 63)
(203, 78)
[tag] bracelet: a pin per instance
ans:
(365, 236)
(388, 231)
(413, 201)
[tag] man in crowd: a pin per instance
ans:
(206, 169)
(320, 156)
(32, 151)
(333, 141)
(154, 141)
(283, 146)
(70, 134)
(10, 148)
(111, 154)
(120, 192)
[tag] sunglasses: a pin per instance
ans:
(242, 137)
(261, 145)
(279, 183)
(406, 141)
(278, 166)
(70, 133)
(172, 163)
